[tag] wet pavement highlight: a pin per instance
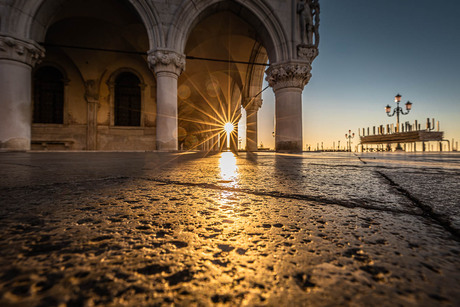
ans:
(146, 229)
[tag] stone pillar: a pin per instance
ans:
(215, 142)
(17, 57)
(288, 81)
(234, 139)
(92, 98)
(222, 141)
(251, 106)
(167, 65)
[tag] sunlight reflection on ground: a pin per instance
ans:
(229, 177)
(228, 169)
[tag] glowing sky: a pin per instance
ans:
(369, 52)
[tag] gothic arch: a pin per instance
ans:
(31, 19)
(255, 73)
(59, 67)
(119, 71)
(255, 12)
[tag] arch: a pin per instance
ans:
(54, 65)
(127, 100)
(48, 96)
(114, 75)
(255, 73)
(259, 15)
(36, 17)
(111, 82)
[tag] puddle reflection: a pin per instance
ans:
(228, 169)
(229, 177)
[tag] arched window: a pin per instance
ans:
(48, 96)
(127, 100)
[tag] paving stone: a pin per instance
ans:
(143, 229)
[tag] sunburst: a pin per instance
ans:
(220, 116)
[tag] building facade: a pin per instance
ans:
(151, 74)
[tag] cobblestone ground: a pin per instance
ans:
(146, 229)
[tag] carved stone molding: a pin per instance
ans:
(166, 60)
(14, 49)
(288, 75)
(306, 52)
(252, 104)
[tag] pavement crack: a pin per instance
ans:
(275, 194)
(427, 211)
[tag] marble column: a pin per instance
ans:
(223, 141)
(215, 143)
(288, 81)
(252, 106)
(234, 139)
(92, 98)
(167, 66)
(17, 57)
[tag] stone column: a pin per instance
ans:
(215, 142)
(92, 98)
(167, 65)
(222, 141)
(234, 139)
(17, 57)
(288, 81)
(252, 106)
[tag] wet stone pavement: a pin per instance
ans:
(148, 229)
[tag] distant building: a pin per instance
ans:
(383, 138)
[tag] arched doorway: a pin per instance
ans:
(223, 74)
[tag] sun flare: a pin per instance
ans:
(228, 127)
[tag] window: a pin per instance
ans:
(48, 96)
(127, 100)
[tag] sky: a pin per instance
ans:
(370, 51)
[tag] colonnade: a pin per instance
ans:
(18, 57)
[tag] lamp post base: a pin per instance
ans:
(399, 148)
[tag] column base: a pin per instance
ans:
(289, 146)
(399, 148)
(167, 146)
(15, 144)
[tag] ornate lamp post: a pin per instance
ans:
(349, 136)
(398, 110)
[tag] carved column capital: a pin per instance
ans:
(111, 84)
(308, 53)
(91, 91)
(287, 75)
(252, 104)
(14, 49)
(162, 60)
